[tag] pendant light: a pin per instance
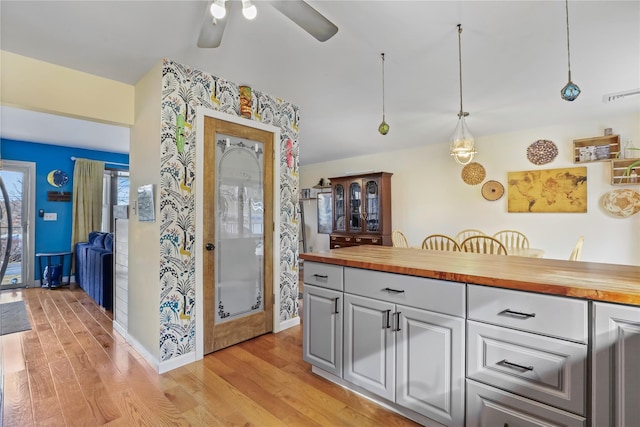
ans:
(462, 146)
(571, 90)
(384, 127)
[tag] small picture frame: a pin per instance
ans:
(146, 205)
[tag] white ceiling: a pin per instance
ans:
(514, 56)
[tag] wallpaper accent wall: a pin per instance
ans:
(183, 90)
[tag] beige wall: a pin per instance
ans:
(40, 86)
(144, 242)
(429, 196)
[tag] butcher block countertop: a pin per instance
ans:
(588, 280)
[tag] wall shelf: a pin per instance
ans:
(596, 149)
(618, 168)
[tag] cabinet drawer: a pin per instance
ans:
(430, 294)
(490, 407)
(544, 314)
(323, 275)
(546, 369)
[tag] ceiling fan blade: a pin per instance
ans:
(211, 30)
(309, 19)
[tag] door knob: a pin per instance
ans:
(209, 246)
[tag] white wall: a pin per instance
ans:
(429, 196)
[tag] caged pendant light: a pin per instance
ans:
(571, 90)
(384, 127)
(462, 147)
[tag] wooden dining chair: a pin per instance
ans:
(468, 232)
(512, 239)
(577, 250)
(399, 240)
(483, 245)
(440, 242)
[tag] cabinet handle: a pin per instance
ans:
(517, 313)
(320, 276)
(335, 302)
(397, 313)
(395, 291)
(388, 313)
(515, 365)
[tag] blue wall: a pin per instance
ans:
(53, 236)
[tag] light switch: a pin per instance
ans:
(51, 216)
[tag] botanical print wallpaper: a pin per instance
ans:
(183, 90)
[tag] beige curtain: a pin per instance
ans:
(87, 199)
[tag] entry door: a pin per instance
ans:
(16, 268)
(237, 233)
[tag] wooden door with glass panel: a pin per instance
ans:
(237, 233)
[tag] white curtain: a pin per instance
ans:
(87, 199)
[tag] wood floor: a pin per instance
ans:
(73, 369)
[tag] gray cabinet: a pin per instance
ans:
(408, 355)
(616, 365)
(322, 328)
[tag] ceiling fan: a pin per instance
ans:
(299, 11)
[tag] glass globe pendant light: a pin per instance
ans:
(571, 90)
(384, 127)
(462, 147)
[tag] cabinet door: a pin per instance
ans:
(369, 345)
(616, 366)
(491, 407)
(371, 213)
(339, 207)
(430, 370)
(322, 329)
(355, 206)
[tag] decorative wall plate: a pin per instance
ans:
(492, 190)
(621, 202)
(57, 178)
(542, 152)
(473, 173)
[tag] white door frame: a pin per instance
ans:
(28, 223)
(201, 113)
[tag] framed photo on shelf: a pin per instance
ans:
(324, 213)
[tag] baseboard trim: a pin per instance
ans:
(290, 323)
(177, 362)
(137, 346)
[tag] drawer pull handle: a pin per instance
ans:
(395, 291)
(517, 313)
(515, 365)
(320, 276)
(335, 301)
(388, 315)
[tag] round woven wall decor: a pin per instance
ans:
(473, 173)
(492, 190)
(542, 152)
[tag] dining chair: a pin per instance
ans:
(440, 242)
(577, 250)
(483, 245)
(468, 232)
(399, 240)
(512, 238)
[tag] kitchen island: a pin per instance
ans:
(521, 340)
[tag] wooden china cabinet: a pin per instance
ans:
(361, 210)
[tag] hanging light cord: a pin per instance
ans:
(382, 55)
(568, 49)
(461, 113)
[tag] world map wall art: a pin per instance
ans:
(548, 190)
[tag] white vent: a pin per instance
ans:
(613, 96)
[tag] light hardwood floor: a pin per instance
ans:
(73, 369)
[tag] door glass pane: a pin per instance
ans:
(239, 227)
(355, 207)
(340, 224)
(372, 198)
(11, 231)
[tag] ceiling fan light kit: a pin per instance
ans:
(462, 147)
(571, 90)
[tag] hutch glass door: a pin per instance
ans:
(372, 206)
(355, 207)
(339, 209)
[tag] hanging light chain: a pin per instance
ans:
(461, 113)
(382, 56)
(568, 48)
